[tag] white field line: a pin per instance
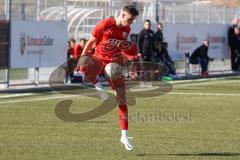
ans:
(199, 80)
(38, 99)
(171, 93)
(204, 94)
(16, 95)
(195, 80)
(69, 96)
(205, 83)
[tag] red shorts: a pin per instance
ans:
(97, 68)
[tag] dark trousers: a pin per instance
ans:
(234, 62)
(204, 64)
(147, 59)
(71, 65)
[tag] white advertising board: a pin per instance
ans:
(38, 44)
(185, 38)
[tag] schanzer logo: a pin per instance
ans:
(30, 44)
(23, 43)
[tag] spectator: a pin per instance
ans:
(71, 44)
(70, 65)
(233, 42)
(78, 48)
(200, 56)
(164, 58)
(74, 53)
(77, 52)
(237, 50)
(146, 41)
(146, 48)
(158, 37)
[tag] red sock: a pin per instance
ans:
(123, 116)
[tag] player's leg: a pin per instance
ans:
(119, 86)
(90, 73)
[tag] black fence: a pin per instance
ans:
(4, 45)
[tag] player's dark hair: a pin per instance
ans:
(147, 20)
(72, 40)
(131, 10)
(82, 39)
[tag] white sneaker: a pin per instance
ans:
(128, 146)
(101, 91)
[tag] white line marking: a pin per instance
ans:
(205, 94)
(69, 96)
(201, 80)
(143, 89)
(38, 99)
(205, 83)
(16, 95)
(171, 93)
(192, 80)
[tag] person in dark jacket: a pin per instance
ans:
(200, 56)
(146, 49)
(146, 41)
(71, 63)
(164, 58)
(233, 42)
(236, 53)
(158, 35)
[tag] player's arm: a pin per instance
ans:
(86, 58)
(96, 35)
(89, 45)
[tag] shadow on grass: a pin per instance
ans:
(210, 154)
(96, 122)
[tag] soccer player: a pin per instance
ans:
(110, 40)
(78, 48)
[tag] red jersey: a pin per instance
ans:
(111, 39)
(77, 51)
(131, 53)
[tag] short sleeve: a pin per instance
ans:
(99, 29)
